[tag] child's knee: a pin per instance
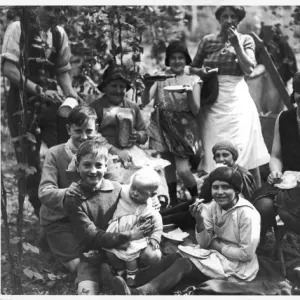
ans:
(151, 256)
(88, 287)
(72, 265)
(114, 261)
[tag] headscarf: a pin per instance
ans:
(226, 145)
(114, 72)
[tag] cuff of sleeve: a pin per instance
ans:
(156, 238)
(63, 69)
(62, 195)
(10, 57)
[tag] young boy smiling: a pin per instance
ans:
(91, 212)
(57, 183)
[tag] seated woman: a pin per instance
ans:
(285, 156)
(229, 227)
(226, 153)
(122, 135)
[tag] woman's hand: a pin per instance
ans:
(233, 36)
(74, 190)
(147, 82)
(133, 138)
(274, 177)
(187, 88)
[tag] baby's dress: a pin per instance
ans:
(125, 217)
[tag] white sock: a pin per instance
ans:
(131, 274)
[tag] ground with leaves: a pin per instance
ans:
(42, 274)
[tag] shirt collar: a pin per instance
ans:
(106, 185)
(241, 202)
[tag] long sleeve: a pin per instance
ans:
(249, 185)
(249, 229)
(158, 227)
(205, 237)
(85, 230)
(62, 63)
(49, 192)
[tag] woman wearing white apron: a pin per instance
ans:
(233, 116)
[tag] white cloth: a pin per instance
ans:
(126, 216)
(238, 231)
(233, 117)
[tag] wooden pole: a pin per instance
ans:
(269, 65)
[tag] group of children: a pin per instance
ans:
(82, 210)
(85, 207)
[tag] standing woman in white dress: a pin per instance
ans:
(233, 116)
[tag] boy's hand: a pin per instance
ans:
(123, 246)
(74, 190)
(125, 156)
(154, 244)
(141, 229)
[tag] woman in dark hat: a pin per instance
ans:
(122, 124)
(114, 85)
(173, 130)
(233, 116)
(230, 226)
(285, 156)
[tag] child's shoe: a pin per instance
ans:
(130, 277)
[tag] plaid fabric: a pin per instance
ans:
(213, 52)
(11, 47)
